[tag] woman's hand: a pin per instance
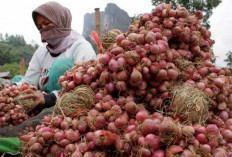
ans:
(37, 96)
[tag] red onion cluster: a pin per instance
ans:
(12, 113)
(161, 50)
(59, 136)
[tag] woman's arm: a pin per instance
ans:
(42, 99)
(83, 51)
(33, 72)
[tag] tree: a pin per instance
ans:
(16, 40)
(13, 48)
(228, 60)
(13, 68)
(1, 37)
(213, 60)
(193, 5)
(8, 54)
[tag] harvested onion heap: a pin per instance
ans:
(160, 52)
(12, 113)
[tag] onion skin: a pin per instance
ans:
(164, 86)
(205, 149)
(212, 129)
(219, 82)
(188, 131)
(202, 138)
(140, 39)
(145, 152)
(172, 74)
(122, 75)
(146, 17)
(61, 79)
(149, 126)
(222, 106)
(47, 135)
(158, 153)
(55, 150)
(36, 148)
(117, 50)
(120, 37)
(113, 65)
(72, 135)
(142, 115)
(186, 152)
(71, 85)
(77, 154)
(104, 58)
(131, 107)
(162, 74)
(227, 135)
(172, 150)
(209, 92)
(136, 77)
(104, 77)
(153, 141)
(150, 37)
(154, 48)
(121, 86)
(142, 141)
(169, 127)
(132, 37)
(87, 79)
(201, 129)
(201, 85)
(219, 152)
(132, 57)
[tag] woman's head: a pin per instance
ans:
(43, 23)
(56, 14)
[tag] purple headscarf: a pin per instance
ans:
(61, 36)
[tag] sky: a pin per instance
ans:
(221, 26)
(15, 18)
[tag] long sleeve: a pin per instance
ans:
(40, 65)
(83, 51)
(32, 75)
(50, 99)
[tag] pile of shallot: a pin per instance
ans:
(162, 50)
(11, 113)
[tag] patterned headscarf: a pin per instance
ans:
(58, 15)
(57, 37)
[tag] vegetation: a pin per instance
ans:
(213, 60)
(12, 49)
(193, 5)
(135, 17)
(228, 60)
(12, 67)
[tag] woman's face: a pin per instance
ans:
(43, 23)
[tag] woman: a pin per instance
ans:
(64, 47)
